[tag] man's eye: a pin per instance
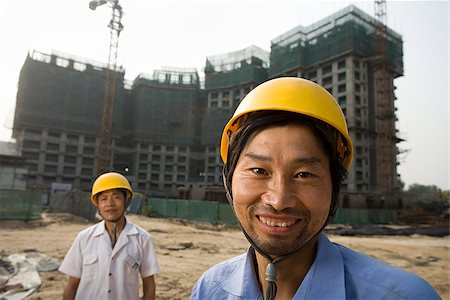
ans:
(304, 175)
(259, 171)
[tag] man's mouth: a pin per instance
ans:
(277, 223)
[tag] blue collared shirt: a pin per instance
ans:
(337, 273)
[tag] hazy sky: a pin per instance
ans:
(182, 33)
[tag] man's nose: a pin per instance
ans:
(109, 200)
(281, 193)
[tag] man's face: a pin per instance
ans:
(282, 188)
(111, 204)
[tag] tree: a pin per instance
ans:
(429, 197)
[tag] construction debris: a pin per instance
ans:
(19, 275)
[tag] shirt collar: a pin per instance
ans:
(129, 228)
(100, 229)
(324, 280)
(242, 281)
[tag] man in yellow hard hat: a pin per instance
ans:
(106, 259)
(285, 151)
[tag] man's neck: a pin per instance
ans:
(120, 224)
(290, 272)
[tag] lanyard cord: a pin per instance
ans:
(114, 238)
(115, 235)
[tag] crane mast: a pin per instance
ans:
(105, 138)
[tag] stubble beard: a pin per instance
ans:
(279, 246)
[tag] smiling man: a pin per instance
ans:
(106, 259)
(285, 152)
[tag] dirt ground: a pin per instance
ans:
(205, 245)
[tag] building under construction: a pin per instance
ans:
(164, 118)
(166, 138)
(228, 78)
(58, 117)
(342, 53)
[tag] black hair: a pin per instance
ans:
(255, 122)
(125, 193)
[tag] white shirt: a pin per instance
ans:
(107, 273)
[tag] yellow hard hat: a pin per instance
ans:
(296, 95)
(108, 181)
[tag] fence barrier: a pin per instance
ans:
(26, 205)
(365, 216)
(21, 205)
(221, 213)
(196, 210)
(74, 202)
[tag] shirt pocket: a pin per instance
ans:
(90, 264)
(132, 269)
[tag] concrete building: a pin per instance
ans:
(167, 126)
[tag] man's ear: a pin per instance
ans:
(227, 191)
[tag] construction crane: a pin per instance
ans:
(105, 139)
(385, 128)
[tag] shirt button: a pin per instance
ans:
(109, 291)
(110, 274)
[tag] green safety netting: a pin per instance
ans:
(21, 205)
(207, 211)
(365, 216)
(222, 213)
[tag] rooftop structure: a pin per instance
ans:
(236, 68)
(349, 30)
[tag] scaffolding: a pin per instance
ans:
(171, 75)
(384, 125)
(236, 68)
(166, 107)
(51, 85)
(233, 60)
(63, 59)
